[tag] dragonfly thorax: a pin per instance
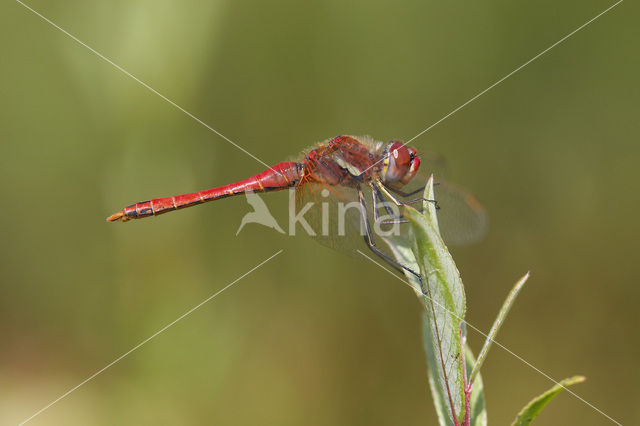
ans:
(343, 160)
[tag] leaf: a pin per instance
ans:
(477, 410)
(442, 295)
(403, 253)
(533, 408)
(438, 393)
(506, 306)
(406, 254)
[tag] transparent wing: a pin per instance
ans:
(461, 217)
(331, 215)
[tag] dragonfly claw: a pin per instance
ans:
(117, 216)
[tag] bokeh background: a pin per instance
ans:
(313, 337)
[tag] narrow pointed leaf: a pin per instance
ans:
(496, 325)
(533, 408)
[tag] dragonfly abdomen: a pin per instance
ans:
(278, 177)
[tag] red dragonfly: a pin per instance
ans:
(374, 175)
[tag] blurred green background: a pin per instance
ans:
(313, 337)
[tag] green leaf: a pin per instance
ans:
(442, 295)
(533, 408)
(478, 412)
(448, 303)
(438, 393)
(496, 325)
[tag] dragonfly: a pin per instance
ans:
(377, 178)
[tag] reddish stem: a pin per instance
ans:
(467, 387)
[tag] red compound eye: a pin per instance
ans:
(400, 154)
(402, 164)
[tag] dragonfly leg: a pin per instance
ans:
(371, 243)
(394, 219)
(377, 197)
(408, 194)
(387, 191)
(435, 202)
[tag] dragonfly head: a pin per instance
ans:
(400, 165)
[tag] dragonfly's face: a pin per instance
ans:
(400, 164)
